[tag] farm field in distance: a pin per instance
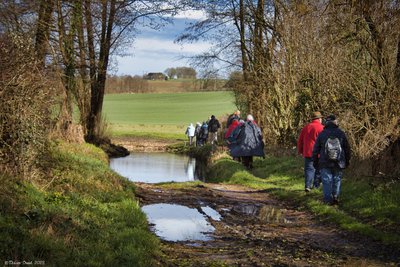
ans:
(165, 114)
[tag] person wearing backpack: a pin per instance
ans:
(331, 154)
(213, 126)
(305, 145)
(203, 133)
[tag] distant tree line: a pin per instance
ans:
(181, 73)
(127, 84)
(143, 84)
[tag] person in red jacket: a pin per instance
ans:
(305, 144)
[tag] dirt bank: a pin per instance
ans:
(144, 144)
(256, 230)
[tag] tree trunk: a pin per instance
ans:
(43, 29)
(81, 93)
(99, 80)
(398, 63)
(66, 45)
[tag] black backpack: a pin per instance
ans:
(333, 148)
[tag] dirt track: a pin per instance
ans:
(256, 230)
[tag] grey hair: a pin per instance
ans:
(250, 117)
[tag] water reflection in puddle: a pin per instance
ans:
(213, 214)
(179, 223)
(249, 209)
(266, 213)
(156, 167)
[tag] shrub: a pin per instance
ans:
(25, 111)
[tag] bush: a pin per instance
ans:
(25, 111)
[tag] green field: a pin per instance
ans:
(132, 114)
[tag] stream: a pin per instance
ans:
(157, 167)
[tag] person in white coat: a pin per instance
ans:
(190, 133)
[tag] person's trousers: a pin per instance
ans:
(331, 181)
(247, 161)
(213, 137)
(312, 175)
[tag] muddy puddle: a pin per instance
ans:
(173, 222)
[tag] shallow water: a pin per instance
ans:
(156, 167)
(267, 213)
(213, 214)
(179, 223)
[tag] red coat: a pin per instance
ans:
(308, 136)
(233, 125)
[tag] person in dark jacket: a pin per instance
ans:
(213, 126)
(331, 154)
(305, 145)
(203, 133)
(247, 142)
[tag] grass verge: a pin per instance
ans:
(374, 212)
(83, 215)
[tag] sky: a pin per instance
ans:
(155, 51)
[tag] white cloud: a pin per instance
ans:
(191, 14)
(153, 44)
(156, 55)
(155, 51)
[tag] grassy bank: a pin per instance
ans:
(81, 214)
(371, 211)
(166, 115)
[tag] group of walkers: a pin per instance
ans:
(243, 138)
(326, 153)
(324, 146)
(203, 133)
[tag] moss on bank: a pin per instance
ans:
(80, 214)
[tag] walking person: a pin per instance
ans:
(305, 144)
(197, 133)
(230, 137)
(213, 126)
(203, 133)
(234, 116)
(331, 154)
(247, 142)
(190, 133)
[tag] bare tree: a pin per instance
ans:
(339, 57)
(86, 35)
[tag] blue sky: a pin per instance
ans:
(155, 51)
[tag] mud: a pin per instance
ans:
(143, 144)
(257, 230)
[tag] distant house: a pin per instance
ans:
(155, 76)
